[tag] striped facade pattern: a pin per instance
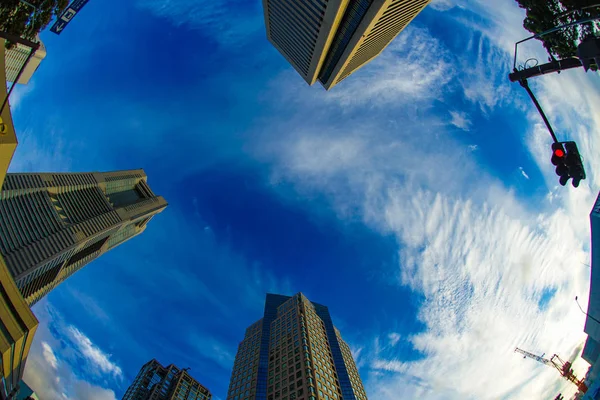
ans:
(356, 31)
(393, 17)
(51, 225)
(302, 31)
(295, 28)
(15, 58)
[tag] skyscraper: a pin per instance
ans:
(294, 353)
(329, 40)
(155, 382)
(51, 225)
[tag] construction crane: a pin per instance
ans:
(563, 367)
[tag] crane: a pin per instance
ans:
(563, 367)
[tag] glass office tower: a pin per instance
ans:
(294, 353)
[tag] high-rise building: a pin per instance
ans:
(329, 40)
(294, 353)
(155, 382)
(52, 224)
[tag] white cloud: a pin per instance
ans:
(35, 153)
(228, 21)
(479, 256)
(19, 93)
(415, 66)
(49, 355)
(394, 338)
(49, 370)
(523, 173)
(93, 354)
(460, 120)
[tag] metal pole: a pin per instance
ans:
(588, 315)
(524, 83)
(554, 66)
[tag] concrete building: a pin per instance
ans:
(16, 335)
(16, 57)
(51, 225)
(294, 353)
(330, 40)
(156, 382)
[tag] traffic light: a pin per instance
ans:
(559, 158)
(574, 163)
(566, 158)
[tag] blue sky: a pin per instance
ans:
(415, 199)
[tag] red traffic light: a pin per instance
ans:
(559, 153)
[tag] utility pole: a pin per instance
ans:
(565, 155)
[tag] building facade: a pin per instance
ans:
(591, 350)
(329, 40)
(156, 382)
(51, 225)
(294, 353)
(8, 137)
(592, 327)
(17, 56)
(17, 328)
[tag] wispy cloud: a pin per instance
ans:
(52, 369)
(414, 67)
(49, 355)
(228, 22)
(480, 257)
(460, 120)
(93, 354)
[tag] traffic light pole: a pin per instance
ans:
(524, 83)
(548, 68)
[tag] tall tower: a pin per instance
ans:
(51, 225)
(329, 40)
(302, 31)
(155, 382)
(294, 352)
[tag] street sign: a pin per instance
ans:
(67, 15)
